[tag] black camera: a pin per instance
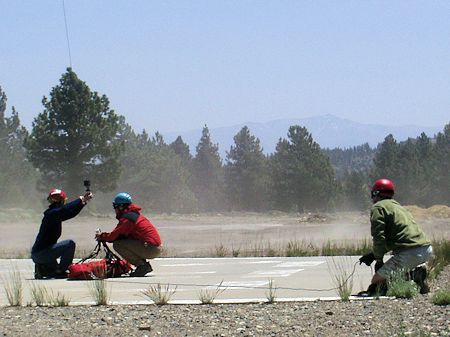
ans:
(87, 184)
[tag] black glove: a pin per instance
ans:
(367, 259)
(378, 265)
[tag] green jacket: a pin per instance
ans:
(393, 228)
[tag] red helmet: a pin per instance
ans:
(383, 187)
(56, 195)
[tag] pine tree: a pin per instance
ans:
(302, 176)
(441, 180)
(75, 137)
(156, 175)
(344, 161)
(17, 176)
(207, 175)
(181, 149)
(246, 173)
(406, 174)
(355, 191)
(386, 159)
(426, 170)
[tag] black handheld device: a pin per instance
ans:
(87, 184)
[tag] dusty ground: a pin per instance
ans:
(201, 235)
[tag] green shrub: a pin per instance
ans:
(401, 288)
(441, 297)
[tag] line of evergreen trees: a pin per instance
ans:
(77, 136)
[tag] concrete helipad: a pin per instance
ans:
(240, 279)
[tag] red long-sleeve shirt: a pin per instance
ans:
(133, 225)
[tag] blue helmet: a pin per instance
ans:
(122, 198)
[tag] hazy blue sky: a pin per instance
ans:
(177, 65)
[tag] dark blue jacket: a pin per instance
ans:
(51, 226)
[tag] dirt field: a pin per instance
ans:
(202, 235)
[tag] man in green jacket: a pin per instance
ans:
(394, 229)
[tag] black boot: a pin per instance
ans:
(374, 290)
(142, 270)
(41, 271)
(60, 274)
(419, 276)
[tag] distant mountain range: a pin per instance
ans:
(328, 131)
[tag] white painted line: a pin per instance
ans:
(178, 290)
(242, 285)
(273, 273)
(195, 274)
(299, 264)
(185, 264)
(281, 258)
(258, 262)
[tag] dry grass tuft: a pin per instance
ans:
(158, 294)
(342, 276)
(207, 296)
(99, 291)
(14, 288)
(271, 292)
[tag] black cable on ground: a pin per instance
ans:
(240, 286)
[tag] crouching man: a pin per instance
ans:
(46, 250)
(135, 238)
(393, 228)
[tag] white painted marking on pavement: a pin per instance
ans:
(185, 264)
(273, 273)
(299, 264)
(258, 262)
(242, 285)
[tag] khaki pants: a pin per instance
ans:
(406, 260)
(136, 252)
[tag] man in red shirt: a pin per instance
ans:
(135, 238)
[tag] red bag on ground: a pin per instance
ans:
(88, 269)
(91, 270)
(116, 268)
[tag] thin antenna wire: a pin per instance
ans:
(67, 33)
